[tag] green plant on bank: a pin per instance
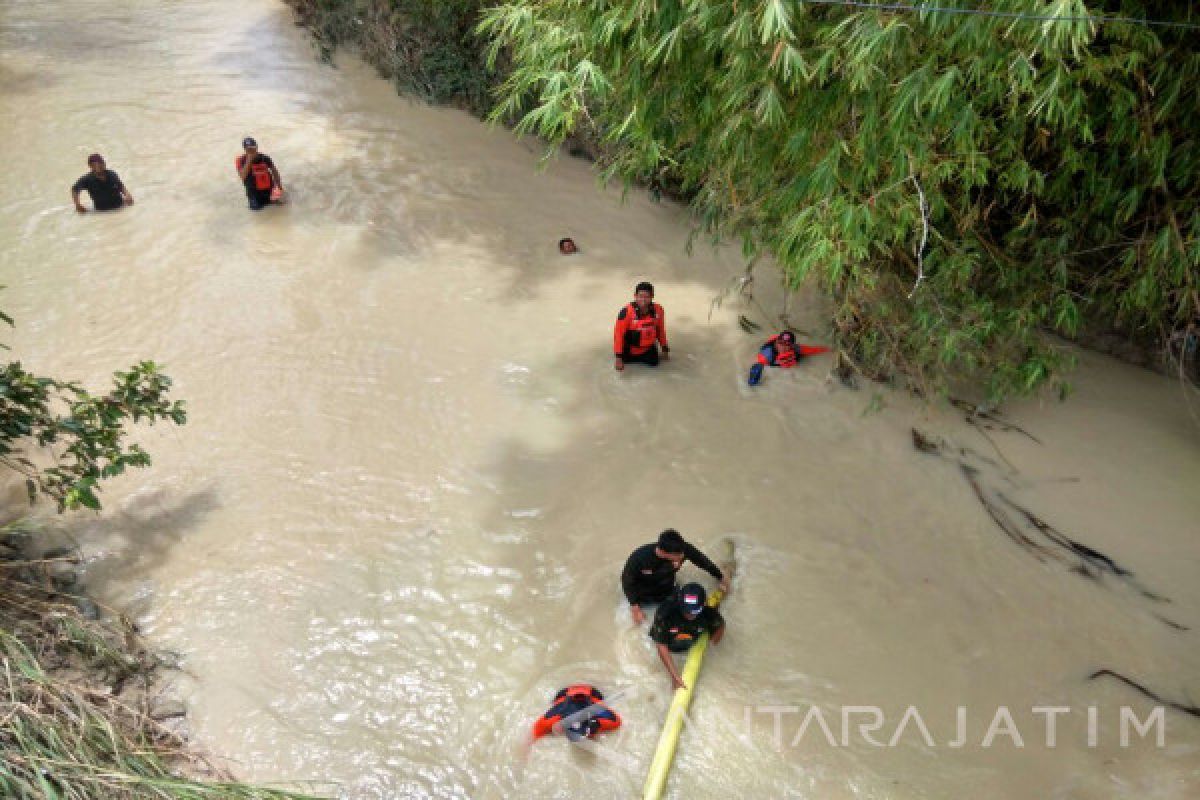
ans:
(427, 47)
(959, 184)
(83, 433)
(69, 730)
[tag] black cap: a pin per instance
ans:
(691, 598)
(249, 142)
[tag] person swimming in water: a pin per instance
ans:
(781, 350)
(579, 712)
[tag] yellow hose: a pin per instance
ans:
(664, 754)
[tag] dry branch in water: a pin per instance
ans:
(975, 413)
(1089, 562)
(1193, 710)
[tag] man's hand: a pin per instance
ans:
(618, 364)
(639, 616)
(724, 585)
(666, 355)
(79, 207)
(678, 682)
(128, 199)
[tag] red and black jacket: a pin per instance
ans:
(772, 356)
(572, 699)
(259, 177)
(635, 334)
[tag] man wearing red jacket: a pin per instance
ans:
(568, 703)
(641, 328)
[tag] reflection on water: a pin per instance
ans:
(394, 524)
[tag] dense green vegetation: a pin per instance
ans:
(959, 184)
(428, 47)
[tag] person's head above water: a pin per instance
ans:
(566, 246)
(643, 295)
(581, 729)
(670, 547)
(96, 163)
(692, 598)
(788, 338)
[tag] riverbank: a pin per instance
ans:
(86, 705)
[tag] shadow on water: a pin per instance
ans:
(68, 38)
(24, 82)
(140, 535)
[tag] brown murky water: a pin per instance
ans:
(394, 524)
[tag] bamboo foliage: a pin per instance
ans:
(1050, 166)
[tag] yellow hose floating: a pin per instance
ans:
(668, 741)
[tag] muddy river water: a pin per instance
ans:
(394, 523)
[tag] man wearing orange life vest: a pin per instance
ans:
(641, 328)
(259, 175)
(568, 705)
(781, 350)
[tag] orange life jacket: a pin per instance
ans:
(258, 171)
(645, 327)
(606, 718)
(583, 691)
(783, 358)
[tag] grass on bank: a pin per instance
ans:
(77, 706)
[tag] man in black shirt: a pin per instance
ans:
(649, 574)
(102, 185)
(679, 623)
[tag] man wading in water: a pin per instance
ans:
(102, 185)
(259, 175)
(679, 623)
(641, 328)
(649, 574)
